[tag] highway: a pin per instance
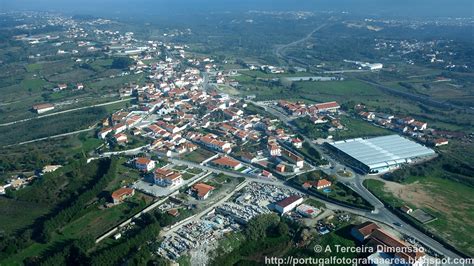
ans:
(63, 112)
(381, 213)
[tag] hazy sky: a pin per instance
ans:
(162, 7)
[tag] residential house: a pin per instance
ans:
(144, 164)
(201, 191)
(227, 162)
(363, 231)
(119, 195)
(165, 177)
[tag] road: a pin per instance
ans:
(52, 137)
(63, 112)
(280, 50)
(381, 213)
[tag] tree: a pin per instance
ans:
(122, 62)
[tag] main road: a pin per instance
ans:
(380, 213)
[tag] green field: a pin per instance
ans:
(437, 197)
(198, 156)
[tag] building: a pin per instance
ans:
(297, 143)
(144, 164)
(406, 209)
(42, 108)
(327, 107)
(441, 142)
(119, 195)
(50, 168)
(274, 149)
(380, 154)
(227, 162)
(362, 231)
(288, 204)
(308, 211)
(322, 183)
(293, 158)
(201, 191)
(165, 177)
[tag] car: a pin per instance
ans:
(398, 224)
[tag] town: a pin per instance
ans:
(206, 162)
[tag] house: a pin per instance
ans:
(327, 107)
(144, 164)
(121, 138)
(227, 162)
(266, 174)
(165, 177)
(104, 132)
(62, 86)
(173, 212)
(215, 144)
(80, 86)
(440, 142)
(406, 209)
(363, 231)
(293, 158)
(274, 149)
(42, 108)
(280, 168)
(201, 191)
(119, 195)
(288, 204)
(297, 143)
(322, 183)
(50, 168)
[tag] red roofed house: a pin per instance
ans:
(165, 177)
(122, 193)
(322, 183)
(297, 143)
(441, 142)
(202, 191)
(227, 162)
(327, 107)
(280, 168)
(274, 149)
(288, 204)
(121, 138)
(144, 164)
(363, 231)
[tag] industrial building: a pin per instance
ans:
(380, 154)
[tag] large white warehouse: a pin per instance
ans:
(381, 154)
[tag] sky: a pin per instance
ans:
(409, 8)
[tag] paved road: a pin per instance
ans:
(280, 51)
(381, 213)
(63, 112)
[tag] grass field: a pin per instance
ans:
(449, 201)
(18, 214)
(198, 156)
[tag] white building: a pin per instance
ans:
(288, 204)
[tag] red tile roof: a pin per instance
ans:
(202, 189)
(226, 161)
(287, 201)
(119, 193)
